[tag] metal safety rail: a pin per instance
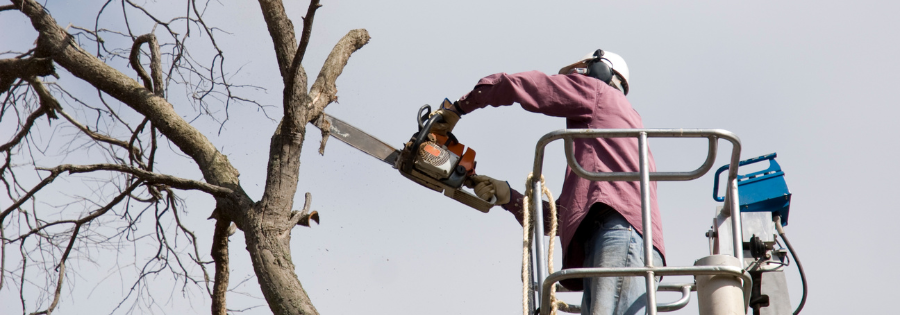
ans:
(644, 176)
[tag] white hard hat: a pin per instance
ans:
(612, 60)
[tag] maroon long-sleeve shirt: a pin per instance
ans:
(585, 102)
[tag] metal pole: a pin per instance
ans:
(736, 229)
(534, 291)
(552, 279)
(538, 241)
(647, 224)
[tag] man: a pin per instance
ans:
(600, 222)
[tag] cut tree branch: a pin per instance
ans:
(303, 217)
(325, 129)
(324, 90)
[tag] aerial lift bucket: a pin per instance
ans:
(541, 290)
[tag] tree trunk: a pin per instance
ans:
(270, 253)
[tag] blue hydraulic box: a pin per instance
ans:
(765, 190)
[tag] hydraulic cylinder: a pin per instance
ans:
(719, 294)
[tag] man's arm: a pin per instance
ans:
(516, 207)
(570, 96)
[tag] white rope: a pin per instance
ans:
(526, 245)
(528, 240)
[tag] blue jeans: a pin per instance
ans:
(615, 243)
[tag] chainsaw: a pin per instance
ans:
(437, 162)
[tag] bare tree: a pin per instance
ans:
(115, 154)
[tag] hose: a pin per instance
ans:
(777, 219)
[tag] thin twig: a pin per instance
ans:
(27, 196)
(2, 255)
(175, 182)
(26, 128)
(101, 137)
(196, 258)
(62, 272)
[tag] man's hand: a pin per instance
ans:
(450, 119)
(486, 187)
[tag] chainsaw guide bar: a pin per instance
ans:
(361, 140)
(370, 145)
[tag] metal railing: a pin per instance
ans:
(644, 176)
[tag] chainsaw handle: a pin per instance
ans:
(421, 136)
(426, 128)
(422, 117)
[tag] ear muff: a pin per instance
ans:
(598, 69)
